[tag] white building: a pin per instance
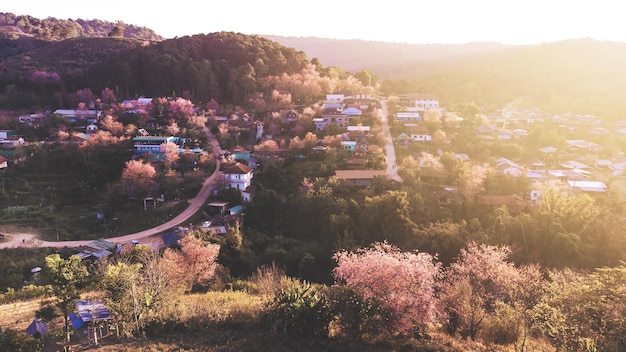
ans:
(426, 102)
(236, 175)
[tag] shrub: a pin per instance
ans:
(10, 340)
(353, 316)
(27, 292)
(300, 309)
(268, 279)
(504, 326)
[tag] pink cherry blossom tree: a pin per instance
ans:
(107, 96)
(181, 109)
(43, 77)
(138, 177)
(403, 283)
(197, 258)
(473, 284)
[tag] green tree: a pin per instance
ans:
(122, 285)
(585, 312)
(66, 277)
(387, 217)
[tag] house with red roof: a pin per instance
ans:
(4, 162)
(236, 175)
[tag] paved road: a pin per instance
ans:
(392, 167)
(30, 240)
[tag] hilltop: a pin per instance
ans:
(52, 29)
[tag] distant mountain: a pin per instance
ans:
(386, 60)
(581, 76)
(578, 75)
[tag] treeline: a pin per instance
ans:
(53, 29)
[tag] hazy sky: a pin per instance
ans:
(406, 21)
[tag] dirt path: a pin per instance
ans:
(19, 239)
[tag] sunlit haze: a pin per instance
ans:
(420, 22)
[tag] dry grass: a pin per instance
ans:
(228, 321)
(18, 315)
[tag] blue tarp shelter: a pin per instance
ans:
(92, 311)
(170, 239)
(37, 327)
(77, 322)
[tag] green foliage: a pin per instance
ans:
(299, 309)
(25, 293)
(208, 66)
(503, 327)
(10, 340)
(66, 278)
(122, 285)
(354, 317)
(585, 312)
(16, 264)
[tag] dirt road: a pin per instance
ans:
(16, 238)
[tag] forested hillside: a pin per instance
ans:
(52, 29)
(224, 66)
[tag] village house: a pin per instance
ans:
(4, 162)
(514, 203)
(341, 119)
(587, 186)
(136, 105)
(356, 162)
(361, 178)
(236, 175)
(32, 119)
(447, 197)
(143, 145)
(418, 133)
(12, 142)
(4, 134)
(408, 116)
(239, 153)
(426, 102)
(403, 139)
(90, 116)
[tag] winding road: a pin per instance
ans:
(392, 167)
(30, 240)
